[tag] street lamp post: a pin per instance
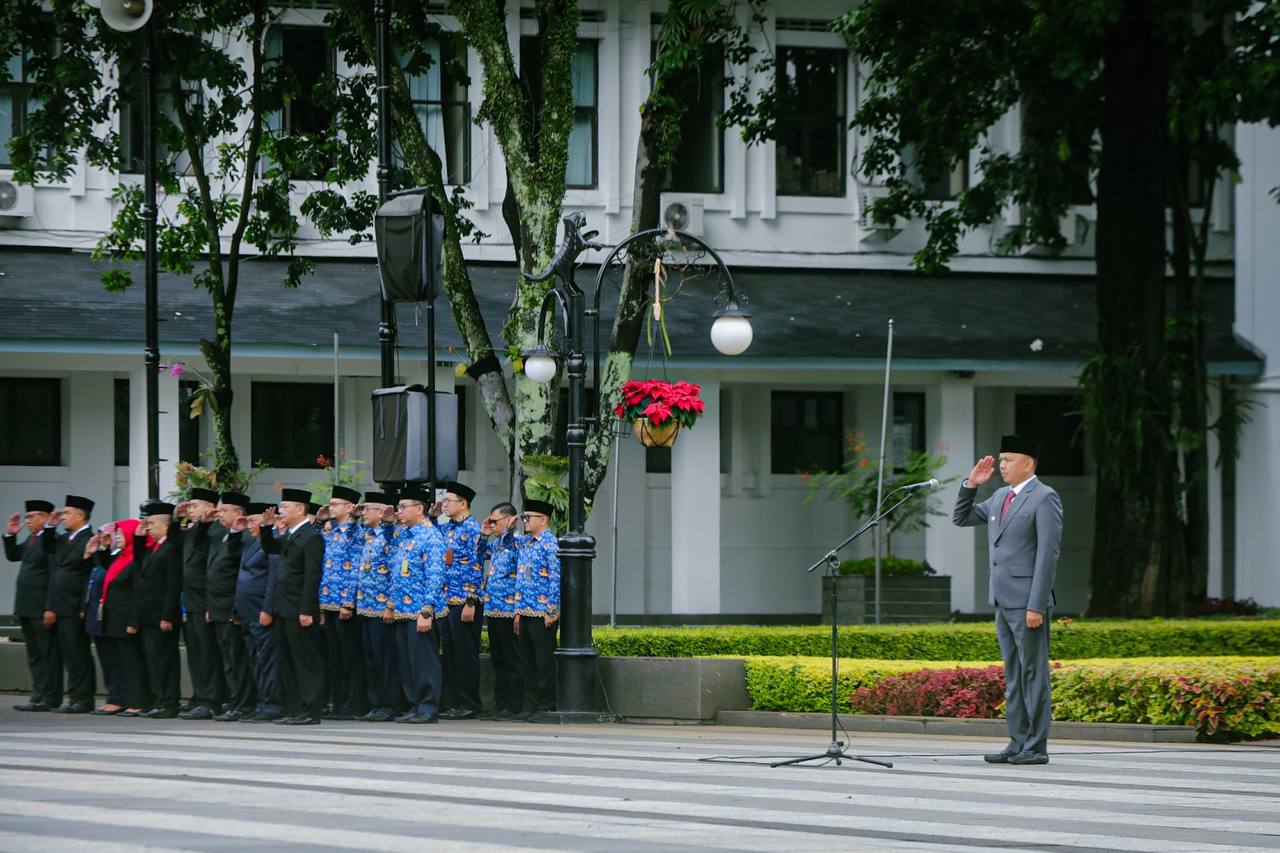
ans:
(128, 16)
(731, 335)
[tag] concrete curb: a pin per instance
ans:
(1121, 732)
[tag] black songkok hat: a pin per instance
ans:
(77, 502)
(1019, 444)
(467, 493)
(39, 506)
(235, 499)
(539, 506)
(343, 493)
(300, 496)
(416, 492)
(198, 494)
(256, 508)
(378, 498)
(156, 508)
(312, 508)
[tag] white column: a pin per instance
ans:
(91, 441)
(695, 512)
(170, 414)
(950, 549)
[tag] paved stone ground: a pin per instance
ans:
(107, 784)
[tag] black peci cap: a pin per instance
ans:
(1020, 444)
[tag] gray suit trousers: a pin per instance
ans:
(1028, 704)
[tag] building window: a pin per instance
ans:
(122, 422)
(810, 133)
(939, 184)
(907, 437)
(16, 103)
(698, 162)
(188, 427)
(807, 431)
(582, 170)
(440, 101)
(1053, 420)
(292, 423)
(30, 421)
(132, 120)
(308, 57)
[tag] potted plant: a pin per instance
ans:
(658, 409)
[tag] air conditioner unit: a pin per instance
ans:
(16, 200)
(682, 212)
(867, 226)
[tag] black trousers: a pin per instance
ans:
(262, 651)
(344, 642)
(460, 644)
(112, 668)
(504, 652)
(302, 665)
(44, 661)
(163, 666)
(538, 663)
(203, 662)
(73, 646)
(241, 694)
(381, 665)
(420, 672)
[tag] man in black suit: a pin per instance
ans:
(297, 608)
(158, 599)
(203, 661)
(64, 603)
(223, 573)
(255, 603)
(30, 593)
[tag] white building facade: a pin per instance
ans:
(720, 527)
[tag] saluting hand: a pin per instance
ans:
(239, 525)
(388, 515)
(15, 524)
(180, 511)
(269, 517)
(981, 472)
(55, 518)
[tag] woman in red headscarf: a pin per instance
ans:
(116, 610)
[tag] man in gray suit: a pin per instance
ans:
(1024, 533)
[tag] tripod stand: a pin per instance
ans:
(837, 751)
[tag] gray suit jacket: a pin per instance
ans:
(1024, 547)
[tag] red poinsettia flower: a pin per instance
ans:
(660, 401)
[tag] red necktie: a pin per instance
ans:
(1008, 500)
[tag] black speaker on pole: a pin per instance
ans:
(409, 233)
(400, 435)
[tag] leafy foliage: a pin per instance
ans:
(191, 476)
(959, 692)
(896, 566)
(545, 479)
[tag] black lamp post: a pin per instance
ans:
(730, 334)
(387, 311)
(128, 16)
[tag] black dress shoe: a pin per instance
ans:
(76, 708)
(1001, 757)
(378, 717)
(417, 719)
(228, 716)
(339, 717)
(128, 713)
(161, 713)
(31, 706)
(282, 720)
(190, 706)
(261, 718)
(103, 712)
(302, 720)
(200, 712)
(458, 714)
(1029, 758)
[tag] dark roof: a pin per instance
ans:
(956, 321)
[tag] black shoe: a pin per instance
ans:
(76, 708)
(543, 717)
(339, 717)
(302, 720)
(418, 719)
(128, 713)
(502, 715)
(33, 705)
(200, 712)
(103, 712)
(378, 717)
(458, 714)
(161, 714)
(262, 718)
(1001, 757)
(228, 716)
(1029, 758)
(187, 708)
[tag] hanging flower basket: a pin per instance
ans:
(659, 409)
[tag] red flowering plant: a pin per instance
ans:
(660, 402)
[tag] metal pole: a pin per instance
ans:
(884, 429)
(617, 478)
(387, 321)
(337, 420)
(151, 284)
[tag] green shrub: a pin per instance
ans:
(951, 641)
(888, 566)
(1224, 698)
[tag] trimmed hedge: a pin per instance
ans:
(1224, 698)
(970, 641)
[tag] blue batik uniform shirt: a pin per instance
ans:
(464, 568)
(500, 583)
(417, 572)
(342, 547)
(373, 580)
(538, 577)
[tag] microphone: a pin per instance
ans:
(927, 484)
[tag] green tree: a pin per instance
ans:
(1098, 86)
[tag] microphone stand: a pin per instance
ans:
(837, 750)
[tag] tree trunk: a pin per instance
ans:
(1136, 554)
(217, 354)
